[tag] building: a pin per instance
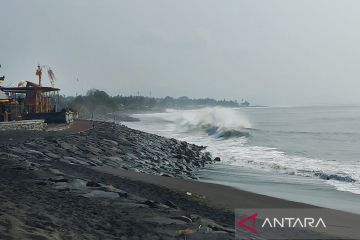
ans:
(24, 101)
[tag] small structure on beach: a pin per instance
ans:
(29, 101)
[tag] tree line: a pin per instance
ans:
(101, 102)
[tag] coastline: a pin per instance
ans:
(114, 182)
(309, 190)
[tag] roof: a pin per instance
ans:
(30, 86)
(27, 89)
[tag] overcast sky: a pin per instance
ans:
(269, 52)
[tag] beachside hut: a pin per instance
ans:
(30, 99)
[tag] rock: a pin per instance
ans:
(122, 193)
(183, 218)
(10, 155)
(62, 186)
(131, 205)
(67, 146)
(166, 175)
(34, 152)
(19, 168)
(151, 203)
(194, 217)
(52, 155)
(101, 194)
(138, 199)
(41, 183)
(217, 159)
(55, 171)
(111, 142)
(215, 227)
(77, 184)
(170, 204)
(58, 179)
(93, 184)
(163, 220)
(111, 188)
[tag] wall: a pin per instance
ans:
(38, 125)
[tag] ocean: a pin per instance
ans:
(304, 154)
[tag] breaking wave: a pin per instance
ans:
(225, 133)
(336, 177)
(217, 122)
(238, 143)
(270, 159)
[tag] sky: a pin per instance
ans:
(270, 52)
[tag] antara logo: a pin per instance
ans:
(249, 223)
(294, 222)
(252, 218)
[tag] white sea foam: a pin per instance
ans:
(218, 117)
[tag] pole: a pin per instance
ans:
(39, 73)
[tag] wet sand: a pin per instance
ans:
(215, 195)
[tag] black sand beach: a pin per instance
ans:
(113, 182)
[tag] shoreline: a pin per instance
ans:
(215, 195)
(311, 191)
(112, 181)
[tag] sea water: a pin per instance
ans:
(306, 154)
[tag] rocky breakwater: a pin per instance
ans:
(116, 146)
(35, 125)
(49, 190)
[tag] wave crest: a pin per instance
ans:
(217, 122)
(226, 133)
(336, 177)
